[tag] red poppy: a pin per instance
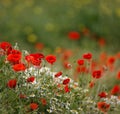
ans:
(74, 35)
(81, 69)
(101, 42)
(118, 75)
(80, 62)
(87, 55)
(39, 46)
(22, 96)
(37, 55)
(36, 62)
(13, 51)
(67, 65)
(97, 74)
(50, 59)
(103, 57)
(34, 59)
(66, 81)
(14, 58)
(102, 94)
(5, 45)
(91, 84)
(67, 54)
(66, 89)
(115, 90)
(58, 74)
(43, 101)
(19, 67)
(31, 79)
(29, 58)
(118, 55)
(103, 106)
(12, 83)
(111, 60)
(33, 106)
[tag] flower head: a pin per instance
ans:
(96, 74)
(31, 79)
(73, 35)
(19, 67)
(50, 59)
(12, 83)
(103, 106)
(33, 106)
(87, 56)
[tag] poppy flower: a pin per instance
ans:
(115, 90)
(31, 79)
(37, 55)
(91, 84)
(19, 67)
(87, 56)
(67, 54)
(36, 62)
(12, 83)
(22, 96)
(102, 94)
(103, 106)
(33, 106)
(5, 45)
(66, 81)
(111, 60)
(58, 74)
(103, 57)
(43, 101)
(39, 46)
(97, 74)
(81, 69)
(101, 42)
(80, 61)
(14, 51)
(67, 65)
(66, 89)
(118, 75)
(50, 59)
(73, 35)
(14, 58)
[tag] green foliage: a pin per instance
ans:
(49, 21)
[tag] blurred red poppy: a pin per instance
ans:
(80, 62)
(12, 83)
(43, 101)
(115, 90)
(97, 74)
(87, 55)
(5, 45)
(31, 79)
(66, 81)
(14, 58)
(102, 94)
(66, 89)
(74, 35)
(33, 106)
(51, 59)
(58, 74)
(19, 67)
(103, 106)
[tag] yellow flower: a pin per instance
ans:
(32, 38)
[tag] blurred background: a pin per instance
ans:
(52, 24)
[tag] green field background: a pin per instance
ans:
(49, 21)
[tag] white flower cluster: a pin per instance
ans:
(113, 100)
(34, 71)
